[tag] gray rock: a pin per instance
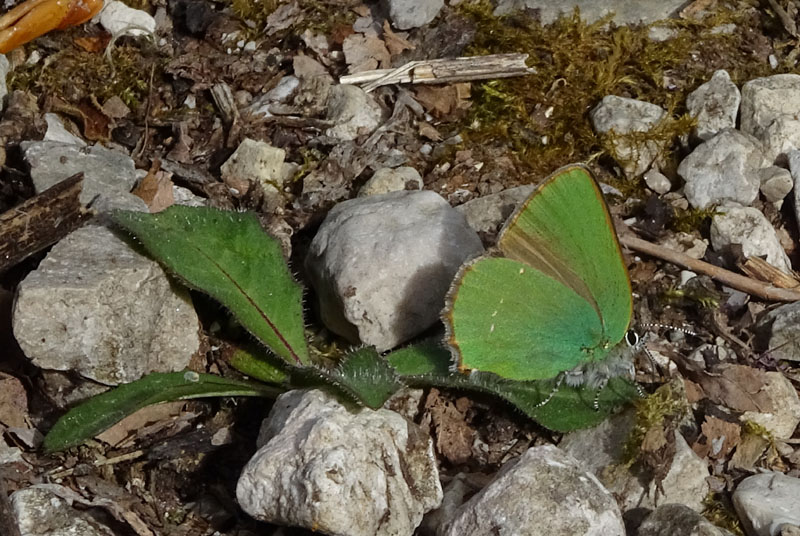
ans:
(45, 510)
(544, 491)
(748, 227)
(781, 396)
(340, 471)
(767, 503)
(387, 180)
(486, 214)
(408, 14)
(780, 137)
(99, 308)
(644, 11)
(657, 181)
(781, 328)
(108, 175)
(678, 520)
(619, 118)
(776, 183)
(256, 161)
(715, 105)
(794, 169)
(725, 168)
(766, 99)
(5, 67)
(280, 94)
(56, 131)
(600, 448)
(660, 33)
(353, 112)
(381, 265)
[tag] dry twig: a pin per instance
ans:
(444, 71)
(726, 277)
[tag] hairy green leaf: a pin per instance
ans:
(424, 358)
(228, 256)
(363, 376)
(258, 365)
(570, 408)
(102, 411)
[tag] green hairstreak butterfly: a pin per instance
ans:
(553, 300)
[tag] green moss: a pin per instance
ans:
(692, 219)
(718, 509)
(696, 294)
(668, 401)
(543, 118)
(74, 74)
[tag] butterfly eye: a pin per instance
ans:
(632, 338)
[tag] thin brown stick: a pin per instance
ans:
(726, 277)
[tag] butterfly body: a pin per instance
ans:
(554, 299)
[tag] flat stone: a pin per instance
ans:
(353, 111)
(255, 161)
(544, 491)
(619, 119)
(108, 175)
(408, 14)
(780, 396)
(780, 137)
(486, 214)
(776, 183)
(657, 181)
(749, 228)
(766, 99)
(381, 265)
(644, 11)
(387, 180)
(723, 169)
(5, 67)
(678, 520)
(715, 105)
(97, 307)
(42, 511)
(781, 329)
(338, 470)
(767, 503)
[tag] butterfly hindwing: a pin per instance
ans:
(505, 317)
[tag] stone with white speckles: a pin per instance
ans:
(544, 491)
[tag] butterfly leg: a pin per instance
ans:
(553, 391)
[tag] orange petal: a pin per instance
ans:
(33, 18)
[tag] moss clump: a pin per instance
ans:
(692, 219)
(543, 118)
(667, 403)
(696, 294)
(74, 74)
(718, 510)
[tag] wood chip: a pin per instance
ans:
(41, 221)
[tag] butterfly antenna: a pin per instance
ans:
(553, 392)
(658, 325)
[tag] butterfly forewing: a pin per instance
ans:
(565, 230)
